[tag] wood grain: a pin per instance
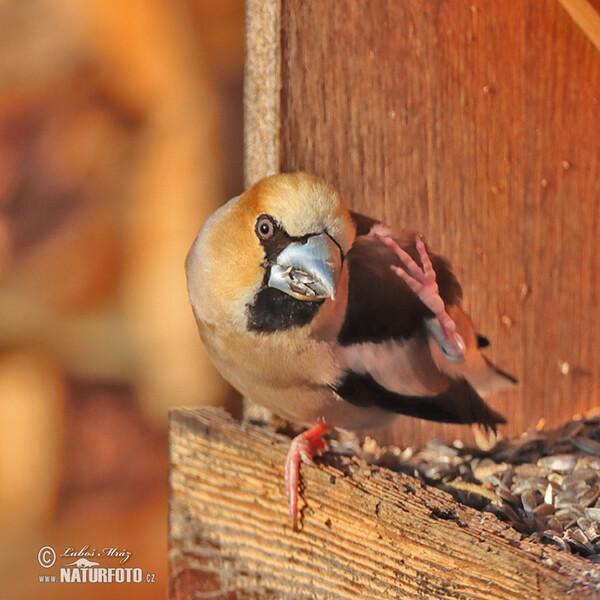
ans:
(366, 532)
(476, 122)
(262, 84)
(586, 17)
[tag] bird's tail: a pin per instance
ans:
(492, 378)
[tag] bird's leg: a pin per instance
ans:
(422, 281)
(302, 448)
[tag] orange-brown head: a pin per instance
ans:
(278, 247)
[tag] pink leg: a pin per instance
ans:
(422, 282)
(302, 448)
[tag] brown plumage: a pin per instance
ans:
(326, 327)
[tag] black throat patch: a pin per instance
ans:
(274, 310)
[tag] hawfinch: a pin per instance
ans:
(332, 320)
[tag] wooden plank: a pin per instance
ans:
(366, 532)
(586, 17)
(477, 123)
(262, 85)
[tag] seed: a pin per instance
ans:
(587, 475)
(529, 471)
(558, 462)
(565, 499)
(549, 494)
(588, 462)
(579, 541)
(568, 516)
(487, 468)
(593, 514)
(577, 534)
(546, 482)
(587, 445)
(544, 510)
(593, 532)
(550, 537)
(555, 524)
(590, 495)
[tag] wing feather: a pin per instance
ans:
(381, 306)
(388, 361)
(459, 403)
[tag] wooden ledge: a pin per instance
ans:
(367, 532)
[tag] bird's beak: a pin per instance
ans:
(309, 270)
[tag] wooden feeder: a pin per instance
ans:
(476, 123)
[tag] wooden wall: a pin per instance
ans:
(475, 122)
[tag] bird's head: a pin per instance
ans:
(271, 257)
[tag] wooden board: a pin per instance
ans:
(367, 532)
(477, 123)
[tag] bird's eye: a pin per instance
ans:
(264, 227)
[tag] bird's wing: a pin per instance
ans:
(381, 306)
(459, 403)
(384, 340)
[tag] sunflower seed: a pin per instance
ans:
(593, 514)
(585, 475)
(593, 532)
(544, 510)
(568, 516)
(565, 499)
(584, 523)
(549, 494)
(587, 445)
(579, 542)
(590, 495)
(550, 537)
(555, 524)
(546, 483)
(556, 478)
(558, 462)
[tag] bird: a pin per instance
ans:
(332, 319)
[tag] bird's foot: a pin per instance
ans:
(302, 448)
(422, 281)
(453, 347)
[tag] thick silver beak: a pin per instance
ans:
(309, 271)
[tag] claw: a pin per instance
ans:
(422, 281)
(302, 448)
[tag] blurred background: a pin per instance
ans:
(120, 131)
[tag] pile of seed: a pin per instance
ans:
(546, 483)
